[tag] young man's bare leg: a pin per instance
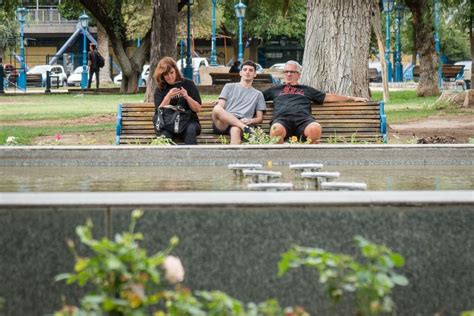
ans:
(278, 130)
(222, 119)
(235, 135)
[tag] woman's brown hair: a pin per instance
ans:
(163, 68)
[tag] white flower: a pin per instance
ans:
(11, 140)
(174, 271)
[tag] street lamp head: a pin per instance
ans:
(240, 10)
(84, 19)
(388, 5)
(20, 14)
(190, 2)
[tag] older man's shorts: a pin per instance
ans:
(294, 126)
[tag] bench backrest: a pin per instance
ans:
(223, 78)
(449, 71)
(341, 122)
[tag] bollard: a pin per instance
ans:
(2, 80)
(48, 82)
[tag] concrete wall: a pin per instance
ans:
(232, 241)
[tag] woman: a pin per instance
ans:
(175, 93)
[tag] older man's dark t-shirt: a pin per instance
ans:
(293, 100)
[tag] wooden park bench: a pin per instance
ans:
(223, 78)
(374, 75)
(341, 122)
(32, 80)
(448, 71)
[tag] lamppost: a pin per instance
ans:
(20, 16)
(213, 42)
(387, 6)
(398, 45)
(188, 70)
(240, 13)
(84, 20)
(437, 47)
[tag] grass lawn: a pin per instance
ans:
(403, 106)
(406, 106)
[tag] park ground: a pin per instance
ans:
(90, 119)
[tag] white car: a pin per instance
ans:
(75, 78)
(467, 71)
(197, 63)
(279, 66)
(142, 80)
(57, 74)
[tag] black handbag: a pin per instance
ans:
(171, 118)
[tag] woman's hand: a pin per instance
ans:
(184, 93)
(174, 92)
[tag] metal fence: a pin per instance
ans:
(47, 16)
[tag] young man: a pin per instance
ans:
(93, 65)
(292, 106)
(239, 106)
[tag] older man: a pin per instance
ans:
(292, 106)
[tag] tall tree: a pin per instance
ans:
(109, 14)
(422, 17)
(163, 38)
(337, 46)
(377, 29)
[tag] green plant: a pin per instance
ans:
(162, 141)
(223, 140)
(126, 280)
(468, 313)
(471, 140)
(372, 281)
(259, 137)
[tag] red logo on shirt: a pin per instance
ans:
(288, 89)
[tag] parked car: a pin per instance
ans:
(467, 72)
(279, 66)
(75, 78)
(57, 74)
(198, 62)
(144, 76)
(141, 81)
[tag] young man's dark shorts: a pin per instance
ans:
(218, 131)
(294, 125)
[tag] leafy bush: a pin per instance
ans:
(371, 281)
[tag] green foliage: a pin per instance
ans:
(136, 14)
(162, 141)
(9, 30)
(468, 313)
(372, 281)
(267, 18)
(125, 278)
(126, 281)
(259, 137)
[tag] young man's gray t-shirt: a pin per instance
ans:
(242, 102)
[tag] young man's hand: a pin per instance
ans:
(246, 121)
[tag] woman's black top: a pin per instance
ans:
(187, 84)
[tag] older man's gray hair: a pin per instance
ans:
(297, 64)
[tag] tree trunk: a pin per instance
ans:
(163, 39)
(424, 35)
(131, 64)
(377, 27)
(103, 47)
(337, 46)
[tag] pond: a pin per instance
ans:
(219, 178)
